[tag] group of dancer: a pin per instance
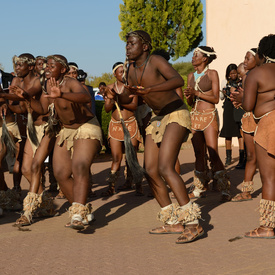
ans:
(145, 86)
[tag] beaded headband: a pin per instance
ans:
(59, 60)
(143, 39)
(205, 52)
(116, 67)
(23, 59)
(252, 52)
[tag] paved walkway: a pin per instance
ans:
(118, 241)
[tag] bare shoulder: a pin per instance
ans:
(16, 81)
(111, 86)
(212, 73)
(190, 75)
(154, 58)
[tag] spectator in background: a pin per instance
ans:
(73, 70)
(82, 78)
(230, 127)
(40, 65)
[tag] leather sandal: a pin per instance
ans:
(268, 233)
(22, 221)
(242, 197)
(77, 225)
(168, 229)
(190, 233)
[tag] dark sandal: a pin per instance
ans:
(225, 198)
(242, 197)
(22, 221)
(108, 193)
(254, 234)
(188, 235)
(77, 225)
(168, 229)
(125, 186)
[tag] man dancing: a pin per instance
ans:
(154, 79)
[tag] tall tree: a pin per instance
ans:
(174, 25)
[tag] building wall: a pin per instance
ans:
(233, 27)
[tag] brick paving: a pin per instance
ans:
(118, 241)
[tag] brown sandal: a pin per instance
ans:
(269, 233)
(189, 234)
(77, 225)
(168, 229)
(242, 197)
(22, 221)
(110, 192)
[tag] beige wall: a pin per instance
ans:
(233, 27)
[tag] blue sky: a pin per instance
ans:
(85, 32)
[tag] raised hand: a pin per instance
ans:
(19, 92)
(55, 91)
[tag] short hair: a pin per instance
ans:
(143, 36)
(211, 56)
(102, 84)
(81, 75)
(266, 48)
(230, 68)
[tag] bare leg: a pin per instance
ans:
(228, 143)
(158, 186)
(62, 167)
(41, 154)
(250, 167)
(198, 142)
(17, 174)
(117, 153)
(266, 164)
(27, 161)
(168, 155)
(211, 139)
(84, 152)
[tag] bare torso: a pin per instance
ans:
(205, 85)
(151, 76)
(71, 115)
(261, 89)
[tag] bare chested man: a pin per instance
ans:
(259, 97)
(153, 78)
(9, 146)
(79, 140)
(38, 144)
